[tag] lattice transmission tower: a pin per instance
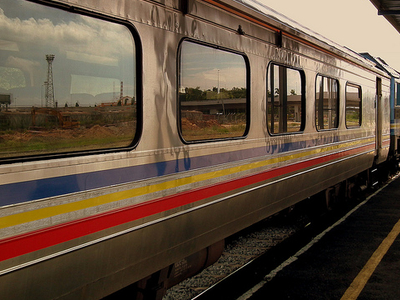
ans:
(49, 83)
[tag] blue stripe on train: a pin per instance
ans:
(38, 189)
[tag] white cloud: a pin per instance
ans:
(82, 34)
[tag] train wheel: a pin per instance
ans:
(333, 196)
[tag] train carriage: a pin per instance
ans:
(137, 135)
(394, 102)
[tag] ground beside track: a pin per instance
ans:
(259, 279)
(359, 258)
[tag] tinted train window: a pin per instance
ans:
(353, 105)
(285, 99)
(67, 82)
(326, 103)
(397, 97)
(213, 97)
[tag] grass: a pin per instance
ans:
(48, 145)
(214, 132)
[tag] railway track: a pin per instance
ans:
(258, 250)
(241, 249)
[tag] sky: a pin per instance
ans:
(351, 23)
(92, 56)
(207, 67)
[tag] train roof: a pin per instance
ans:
(286, 23)
(381, 64)
(281, 23)
(284, 20)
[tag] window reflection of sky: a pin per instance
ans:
(206, 67)
(82, 46)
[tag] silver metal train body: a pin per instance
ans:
(233, 113)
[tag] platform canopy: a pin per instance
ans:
(390, 9)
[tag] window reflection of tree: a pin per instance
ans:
(212, 93)
(286, 104)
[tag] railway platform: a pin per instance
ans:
(357, 258)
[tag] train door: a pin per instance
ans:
(378, 117)
(382, 119)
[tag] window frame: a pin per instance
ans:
(138, 61)
(317, 102)
(360, 116)
(270, 86)
(178, 106)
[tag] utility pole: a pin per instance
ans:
(49, 95)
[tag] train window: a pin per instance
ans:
(67, 82)
(213, 96)
(397, 94)
(285, 99)
(353, 105)
(326, 103)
